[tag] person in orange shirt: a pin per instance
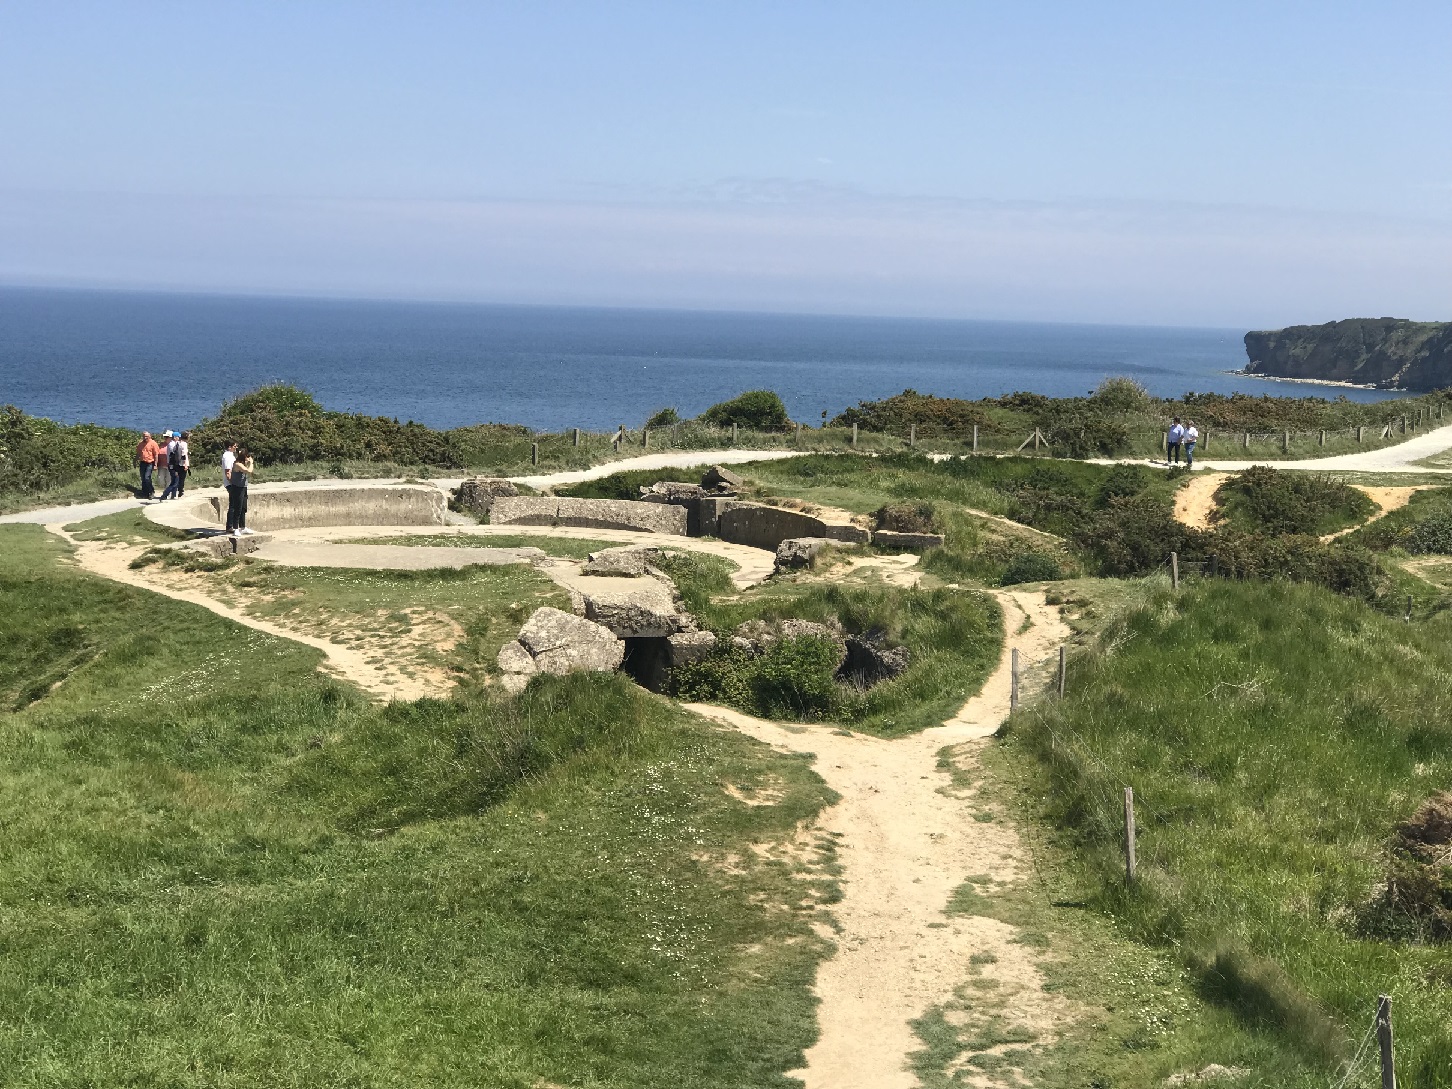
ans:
(146, 453)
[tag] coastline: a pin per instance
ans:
(1320, 382)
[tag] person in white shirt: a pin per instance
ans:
(1173, 441)
(229, 459)
(1192, 436)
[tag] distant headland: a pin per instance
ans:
(1377, 353)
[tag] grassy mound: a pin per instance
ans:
(1275, 735)
(1267, 500)
(224, 868)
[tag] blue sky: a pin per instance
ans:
(1222, 164)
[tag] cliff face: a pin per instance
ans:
(1385, 352)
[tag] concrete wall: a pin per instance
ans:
(306, 508)
(766, 527)
(532, 510)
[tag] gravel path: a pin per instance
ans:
(907, 838)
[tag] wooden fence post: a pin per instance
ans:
(534, 453)
(797, 434)
(733, 434)
(1358, 436)
(975, 438)
(1165, 441)
(1287, 448)
(1323, 436)
(1247, 440)
(1130, 864)
(1404, 425)
(1174, 570)
(1036, 438)
(577, 436)
(1384, 1041)
(854, 434)
(1063, 667)
(1013, 679)
(645, 438)
(1205, 441)
(912, 436)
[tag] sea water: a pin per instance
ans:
(169, 360)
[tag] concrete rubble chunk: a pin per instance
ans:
(906, 542)
(626, 562)
(514, 658)
(796, 553)
(689, 646)
(639, 615)
(561, 643)
(718, 477)
(670, 491)
(477, 495)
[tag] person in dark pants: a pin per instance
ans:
(146, 451)
(178, 454)
(229, 459)
(242, 470)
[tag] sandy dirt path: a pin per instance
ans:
(113, 562)
(907, 838)
(1195, 501)
(1386, 500)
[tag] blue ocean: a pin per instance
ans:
(168, 360)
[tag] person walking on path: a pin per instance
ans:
(229, 459)
(179, 459)
(146, 451)
(1172, 442)
(1192, 436)
(241, 473)
(162, 477)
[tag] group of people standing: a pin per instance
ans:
(1181, 436)
(170, 461)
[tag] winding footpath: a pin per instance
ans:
(907, 839)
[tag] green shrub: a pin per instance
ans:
(790, 678)
(755, 410)
(1423, 526)
(38, 455)
(1031, 567)
(1122, 395)
(665, 417)
(1134, 535)
(1268, 500)
(932, 416)
(1344, 568)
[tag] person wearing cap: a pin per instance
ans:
(179, 458)
(162, 475)
(146, 451)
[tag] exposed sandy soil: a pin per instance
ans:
(907, 838)
(1195, 501)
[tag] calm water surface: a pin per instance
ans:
(159, 360)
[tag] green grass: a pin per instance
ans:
(221, 868)
(571, 548)
(1423, 526)
(1274, 735)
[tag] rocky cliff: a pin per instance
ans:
(1390, 353)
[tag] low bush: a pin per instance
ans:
(1263, 499)
(1031, 567)
(932, 416)
(38, 455)
(665, 417)
(755, 410)
(1345, 569)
